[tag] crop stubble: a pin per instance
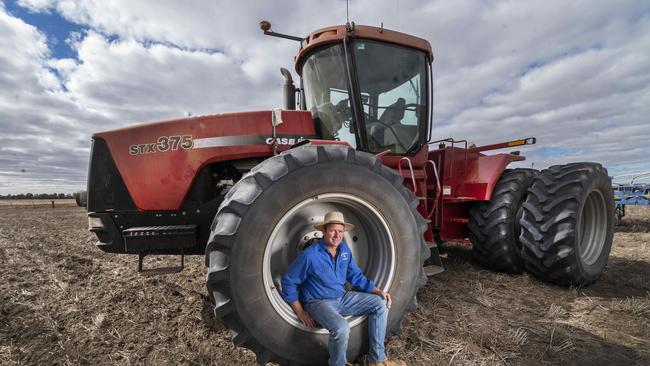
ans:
(62, 301)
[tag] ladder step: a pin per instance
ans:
(160, 270)
(150, 272)
(433, 270)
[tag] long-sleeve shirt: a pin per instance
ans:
(316, 275)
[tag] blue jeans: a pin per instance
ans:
(330, 315)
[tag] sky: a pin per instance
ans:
(576, 75)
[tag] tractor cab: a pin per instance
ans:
(367, 86)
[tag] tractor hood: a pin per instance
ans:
(159, 161)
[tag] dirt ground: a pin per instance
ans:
(64, 302)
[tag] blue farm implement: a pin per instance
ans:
(630, 194)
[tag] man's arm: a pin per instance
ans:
(292, 278)
(359, 280)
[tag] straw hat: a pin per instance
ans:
(333, 217)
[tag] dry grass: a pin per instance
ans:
(64, 302)
(633, 306)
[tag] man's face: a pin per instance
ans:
(333, 234)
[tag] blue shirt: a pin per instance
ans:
(316, 275)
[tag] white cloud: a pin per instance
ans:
(36, 5)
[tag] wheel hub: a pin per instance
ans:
(592, 228)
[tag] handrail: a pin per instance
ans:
(399, 168)
(438, 188)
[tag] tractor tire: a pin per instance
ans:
(494, 225)
(268, 216)
(568, 224)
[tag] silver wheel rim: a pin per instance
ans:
(371, 243)
(593, 228)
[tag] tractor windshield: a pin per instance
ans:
(390, 84)
(393, 87)
(325, 81)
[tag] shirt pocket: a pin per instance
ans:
(321, 270)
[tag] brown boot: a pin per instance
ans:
(389, 363)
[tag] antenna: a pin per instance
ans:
(347, 11)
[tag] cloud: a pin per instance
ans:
(40, 127)
(129, 81)
(575, 75)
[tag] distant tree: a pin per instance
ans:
(21, 196)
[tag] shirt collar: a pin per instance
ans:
(323, 247)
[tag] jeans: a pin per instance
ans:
(330, 314)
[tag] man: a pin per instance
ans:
(321, 271)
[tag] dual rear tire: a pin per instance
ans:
(556, 224)
(568, 224)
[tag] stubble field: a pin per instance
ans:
(64, 302)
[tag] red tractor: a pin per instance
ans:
(244, 189)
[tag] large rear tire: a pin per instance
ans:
(268, 217)
(567, 224)
(494, 225)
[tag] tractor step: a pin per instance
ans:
(151, 238)
(433, 270)
(433, 265)
(160, 270)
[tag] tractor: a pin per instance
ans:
(244, 189)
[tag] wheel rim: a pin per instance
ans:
(593, 227)
(371, 243)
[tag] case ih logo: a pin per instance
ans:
(162, 144)
(285, 140)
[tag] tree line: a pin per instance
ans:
(35, 196)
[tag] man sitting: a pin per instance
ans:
(321, 271)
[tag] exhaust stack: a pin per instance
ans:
(288, 91)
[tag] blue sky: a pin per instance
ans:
(52, 24)
(576, 75)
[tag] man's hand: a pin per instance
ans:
(385, 295)
(306, 319)
(302, 315)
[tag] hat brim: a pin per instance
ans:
(321, 225)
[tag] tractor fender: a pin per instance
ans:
(483, 173)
